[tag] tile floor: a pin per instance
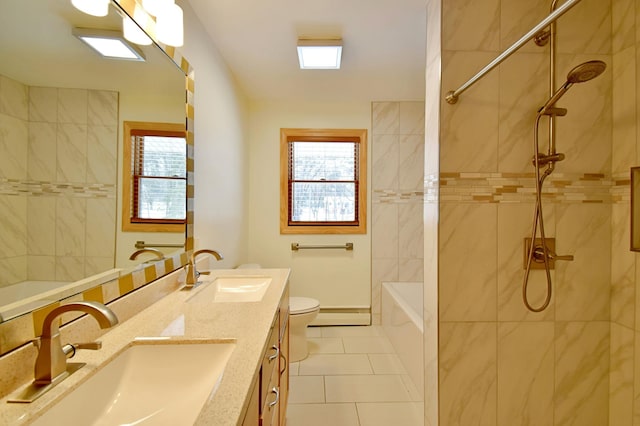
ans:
(352, 377)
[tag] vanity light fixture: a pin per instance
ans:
(169, 26)
(325, 54)
(110, 44)
(92, 7)
(156, 7)
(132, 31)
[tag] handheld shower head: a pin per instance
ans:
(579, 74)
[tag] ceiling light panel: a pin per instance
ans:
(320, 54)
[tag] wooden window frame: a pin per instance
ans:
(321, 135)
(160, 129)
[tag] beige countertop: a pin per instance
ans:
(183, 315)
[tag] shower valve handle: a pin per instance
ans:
(538, 255)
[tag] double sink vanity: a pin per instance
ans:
(215, 354)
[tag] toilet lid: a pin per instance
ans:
(302, 305)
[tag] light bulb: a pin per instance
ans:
(169, 26)
(92, 7)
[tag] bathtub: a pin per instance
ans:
(402, 323)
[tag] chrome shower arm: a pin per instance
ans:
(452, 96)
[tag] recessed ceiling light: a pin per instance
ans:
(319, 54)
(110, 44)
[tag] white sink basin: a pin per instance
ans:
(157, 383)
(236, 288)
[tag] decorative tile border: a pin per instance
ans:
(58, 189)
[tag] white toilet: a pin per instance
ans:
(303, 310)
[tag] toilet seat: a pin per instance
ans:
(303, 305)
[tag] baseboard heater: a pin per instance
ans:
(343, 316)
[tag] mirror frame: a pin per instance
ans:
(25, 328)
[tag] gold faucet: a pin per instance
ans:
(192, 273)
(51, 364)
(159, 255)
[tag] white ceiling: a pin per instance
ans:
(383, 54)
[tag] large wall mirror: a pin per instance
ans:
(62, 107)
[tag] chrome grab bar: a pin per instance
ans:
(452, 96)
(297, 246)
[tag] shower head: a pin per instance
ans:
(579, 74)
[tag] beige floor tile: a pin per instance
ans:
(306, 389)
(367, 345)
(353, 330)
(366, 388)
(386, 364)
(322, 415)
(314, 331)
(333, 364)
(391, 413)
(328, 345)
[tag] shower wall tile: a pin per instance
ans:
(525, 373)
(14, 137)
(42, 152)
(384, 235)
(468, 247)
(411, 270)
(586, 28)
(384, 162)
(523, 89)
(100, 240)
(469, 129)
(13, 226)
(411, 162)
(411, 118)
(41, 226)
(584, 134)
(95, 265)
(14, 98)
(471, 25)
(582, 374)
(516, 18)
(514, 225)
(72, 106)
(410, 231)
(623, 263)
(13, 270)
(70, 227)
(386, 118)
(583, 285)
(382, 270)
(621, 376)
(102, 154)
(468, 363)
(623, 24)
(636, 379)
(71, 150)
(69, 268)
(624, 110)
(102, 108)
(43, 104)
(42, 268)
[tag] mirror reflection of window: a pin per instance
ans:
(155, 177)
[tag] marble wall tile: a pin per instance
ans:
(95, 265)
(517, 17)
(411, 162)
(71, 153)
(621, 376)
(583, 285)
(469, 129)
(69, 268)
(410, 231)
(13, 270)
(468, 363)
(468, 259)
(43, 104)
(42, 152)
(411, 118)
(623, 263)
(586, 28)
(72, 106)
(13, 226)
(100, 233)
(582, 374)
(471, 25)
(41, 226)
(584, 134)
(384, 231)
(14, 138)
(42, 268)
(102, 108)
(14, 98)
(385, 118)
(525, 373)
(70, 226)
(623, 24)
(523, 90)
(102, 154)
(624, 110)
(384, 162)
(514, 225)
(411, 270)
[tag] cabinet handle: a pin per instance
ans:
(284, 358)
(277, 392)
(276, 355)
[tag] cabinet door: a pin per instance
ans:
(284, 374)
(252, 417)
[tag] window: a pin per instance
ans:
(154, 177)
(323, 174)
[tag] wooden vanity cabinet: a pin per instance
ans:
(268, 402)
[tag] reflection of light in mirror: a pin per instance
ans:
(132, 32)
(170, 27)
(92, 7)
(156, 7)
